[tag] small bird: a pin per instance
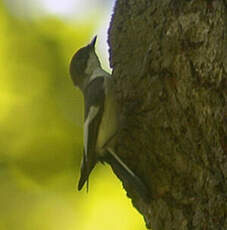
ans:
(101, 121)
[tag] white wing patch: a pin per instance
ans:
(91, 115)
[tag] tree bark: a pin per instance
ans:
(169, 60)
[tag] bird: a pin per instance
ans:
(101, 117)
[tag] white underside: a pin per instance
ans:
(108, 124)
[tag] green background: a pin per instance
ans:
(41, 126)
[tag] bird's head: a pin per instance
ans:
(83, 63)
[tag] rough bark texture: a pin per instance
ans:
(169, 60)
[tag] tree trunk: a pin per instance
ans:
(169, 60)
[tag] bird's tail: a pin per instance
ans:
(85, 171)
(127, 175)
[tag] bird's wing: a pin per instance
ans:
(94, 96)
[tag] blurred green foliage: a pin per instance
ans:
(41, 116)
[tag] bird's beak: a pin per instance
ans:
(93, 41)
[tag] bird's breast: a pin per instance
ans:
(108, 125)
